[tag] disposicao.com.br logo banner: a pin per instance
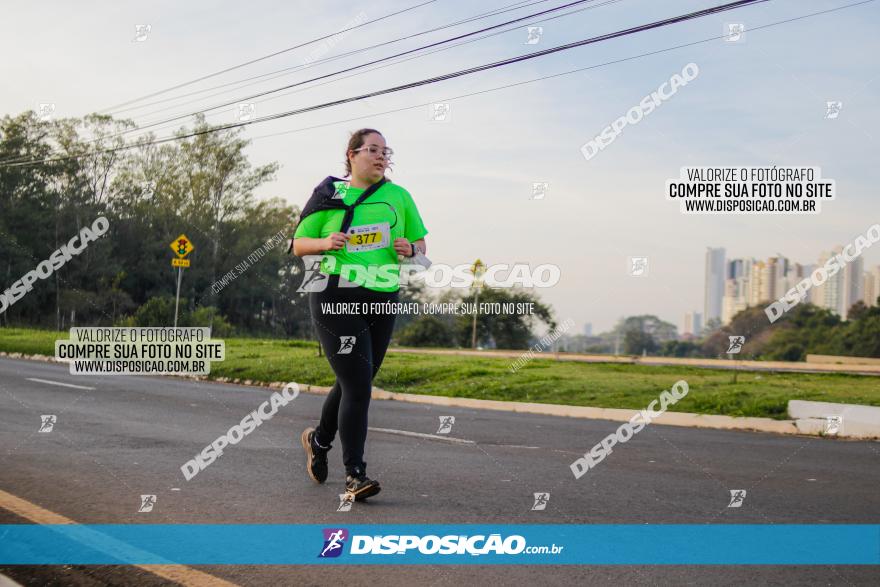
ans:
(382, 544)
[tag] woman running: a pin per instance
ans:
(360, 227)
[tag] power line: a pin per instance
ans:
(164, 124)
(452, 75)
(436, 50)
(507, 8)
(554, 75)
(173, 119)
(656, 24)
(269, 56)
(443, 42)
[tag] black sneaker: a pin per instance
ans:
(316, 456)
(360, 486)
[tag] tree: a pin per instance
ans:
(636, 342)
(217, 182)
(857, 311)
(159, 311)
(711, 326)
(202, 187)
(505, 330)
(644, 332)
(804, 329)
(47, 203)
(859, 336)
(427, 331)
(680, 348)
(752, 323)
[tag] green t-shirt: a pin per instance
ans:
(374, 268)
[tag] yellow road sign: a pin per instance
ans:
(180, 262)
(182, 246)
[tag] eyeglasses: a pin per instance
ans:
(374, 150)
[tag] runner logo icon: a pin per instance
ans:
(345, 501)
(341, 190)
(541, 500)
(736, 344)
(446, 423)
(47, 423)
(638, 266)
(313, 276)
(346, 344)
(334, 540)
(737, 496)
(833, 424)
(147, 503)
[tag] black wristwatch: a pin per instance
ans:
(414, 249)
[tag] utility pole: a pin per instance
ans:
(177, 298)
(478, 269)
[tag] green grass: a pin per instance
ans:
(604, 385)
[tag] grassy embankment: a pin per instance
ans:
(542, 381)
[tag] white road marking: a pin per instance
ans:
(422, 435)
(61, 384)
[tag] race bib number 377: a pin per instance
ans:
(368, 237)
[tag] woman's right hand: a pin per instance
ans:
(335, 241)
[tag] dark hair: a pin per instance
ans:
(356, 142)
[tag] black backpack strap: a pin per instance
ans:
(321, 199)
(349, 211)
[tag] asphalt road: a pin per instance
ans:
(118, 437)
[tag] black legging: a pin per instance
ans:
(345, 408)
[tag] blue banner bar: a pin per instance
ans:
(560, 544)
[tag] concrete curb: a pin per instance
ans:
(44, 358)
(852, 421)
(614, 414)
(682, 419)
(801, 426)
(726, 364)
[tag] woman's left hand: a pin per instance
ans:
(403, 247)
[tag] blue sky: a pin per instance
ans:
(760, 103)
